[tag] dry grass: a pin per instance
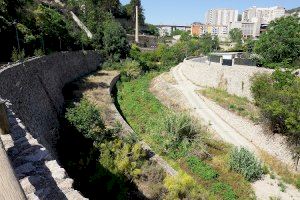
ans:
(280, 168)
(96, 89)
(239, 105)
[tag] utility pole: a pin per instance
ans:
(17, 35)
(136, 24)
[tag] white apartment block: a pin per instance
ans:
(262, 15)
(221, 17)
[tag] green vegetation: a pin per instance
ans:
(225, 189)
(183, 186)
(119, 161)
(236, 36)
(180, 139)
(278, 97)
(244, 162)
(87, 120)
(279, 46)
(201, 169)
(240, 105)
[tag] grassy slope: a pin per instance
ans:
(239, 105)
(145, 113)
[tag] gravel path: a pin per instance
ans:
(239, 132)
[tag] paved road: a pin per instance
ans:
(223, 129)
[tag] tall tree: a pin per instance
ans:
(115, 44)
(281, 41)
(130, 8)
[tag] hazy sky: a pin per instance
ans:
(185, 12)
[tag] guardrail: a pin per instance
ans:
(10, 188)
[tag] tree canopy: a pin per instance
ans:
(281, 42)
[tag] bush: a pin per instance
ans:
(179, 131)
(278, 96)
(180, 127)
(244, 162)
(87, 120)
(201, 169)
(122, 158)
(38, 52)
(182, 186)
(298, 183)
(16, 55)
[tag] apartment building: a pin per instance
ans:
(249, 29)
(263, 15)
(221, 17)
(197, 29)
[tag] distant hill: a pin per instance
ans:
(293, 10)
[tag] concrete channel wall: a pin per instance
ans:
(31, 93)
(235, 79)
(34, 88)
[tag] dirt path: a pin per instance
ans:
(229, 127)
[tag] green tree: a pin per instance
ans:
(130, 9)
(206, 42)
(236, 35)
(278, 96)
(281, 42)
(115, 43)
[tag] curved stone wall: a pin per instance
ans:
(34, 89)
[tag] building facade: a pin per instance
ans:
(221, 17)
(263, 15)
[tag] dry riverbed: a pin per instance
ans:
(175, 91)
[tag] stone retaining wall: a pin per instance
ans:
(34, 88)
(235, 79)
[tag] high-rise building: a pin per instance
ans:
(221, 17)
(263, 15)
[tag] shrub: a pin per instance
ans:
(87, 120)
(243, 161)
(179, 131)
(122, 158)
(38, 52)
(278, 96)
(182, 186)
(224, 190)
(200, 168)
(131, 69)
(180, 127)
(16, 55)
(298, 183)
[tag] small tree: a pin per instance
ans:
(236, 35)
(114, 40)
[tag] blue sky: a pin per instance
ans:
(185, 12)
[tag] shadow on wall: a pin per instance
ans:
(31, 162)
(35, 89)
(81, 159)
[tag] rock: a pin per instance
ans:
(75, 195)
(56, 171)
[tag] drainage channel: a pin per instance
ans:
(80, 159)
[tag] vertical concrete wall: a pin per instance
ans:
(35, 89)
(235, 79)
